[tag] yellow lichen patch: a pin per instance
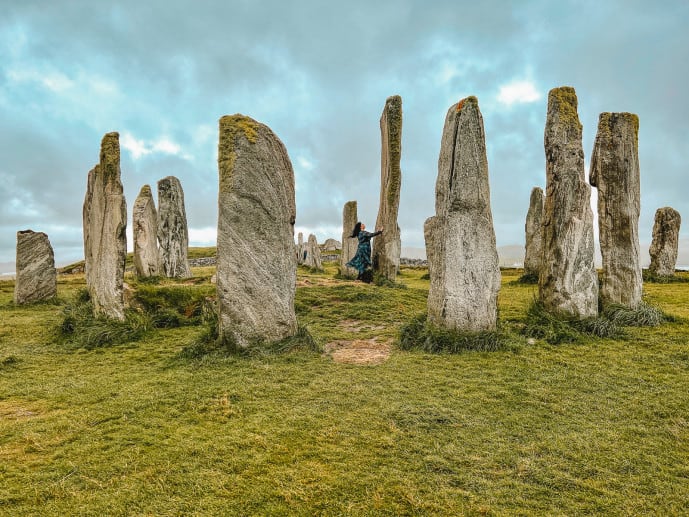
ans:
(565, 100)
(231, 125)
(471, 100)
(145, 191)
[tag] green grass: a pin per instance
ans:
(598, 427)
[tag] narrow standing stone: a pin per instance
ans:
(145, 230)
(568, 282)
(385, 253)
(349, 243)
(665, 244)
(36, 278)
(313, 253)
(301, 247)
(460, 240)
(615, 172)
(257, 267)
(173, 234)
(534, 235)
(105, 238)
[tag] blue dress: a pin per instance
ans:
(362, 260)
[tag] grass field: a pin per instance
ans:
(596, 427)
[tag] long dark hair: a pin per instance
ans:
(357, 229)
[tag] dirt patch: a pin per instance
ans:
(358, 326)
(307, 282)
(359, 351)
(16, 410)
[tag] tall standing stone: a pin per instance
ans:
(105, 238)
(36, 278)
(145, 231)
(534, 235)
(257, 210)
(301, 247)
(385, 253)
(460, 240)
(313, 253)
(173, 234)
(349, 243)
(615, 172)
(665, 244)
(568, 282)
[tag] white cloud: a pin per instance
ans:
(518, 92)
(139, 148)
(203, 236)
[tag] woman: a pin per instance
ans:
(362, 259)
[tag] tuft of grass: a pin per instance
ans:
(652, 278)
(643, 316)
(8, 362)
(80, 328)
(420, 334)
(383, 281)
(172, 306)
(557, 328)
(528, 278)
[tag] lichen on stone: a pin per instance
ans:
(564, 100)
(230, 127)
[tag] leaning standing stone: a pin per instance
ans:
(534, 245)
(173, 234)
(313, 253)
(36, 278)
(145, 230)
(665, 244)
(256, 278)
(105, 238)
(385, 253)
(460, 240)
(568, 281)
(349, 243)
(615, 172)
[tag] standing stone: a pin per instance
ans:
(36, 278)
(349, 243)
(301, 247)
(173, 235)
(331, 245)
(665, 244)
(615, 172)
(534, 243)
(568, 281)
(313, 253)
(145, 230)
(460, 240)
(105, 225)
(257, 269)
(385, 253)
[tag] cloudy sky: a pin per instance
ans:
(318, 73)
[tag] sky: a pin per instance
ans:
(162, 73)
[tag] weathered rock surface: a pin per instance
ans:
(568, 282)
(349, 243)
(145, 232)
(36, 278)
(173, 234)
(460, 240)
(386, 248)
(256, 276)
(313, 253)
(615, 172)
(534, 236)
(105, 224)
(665, 243)
(331, 245)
